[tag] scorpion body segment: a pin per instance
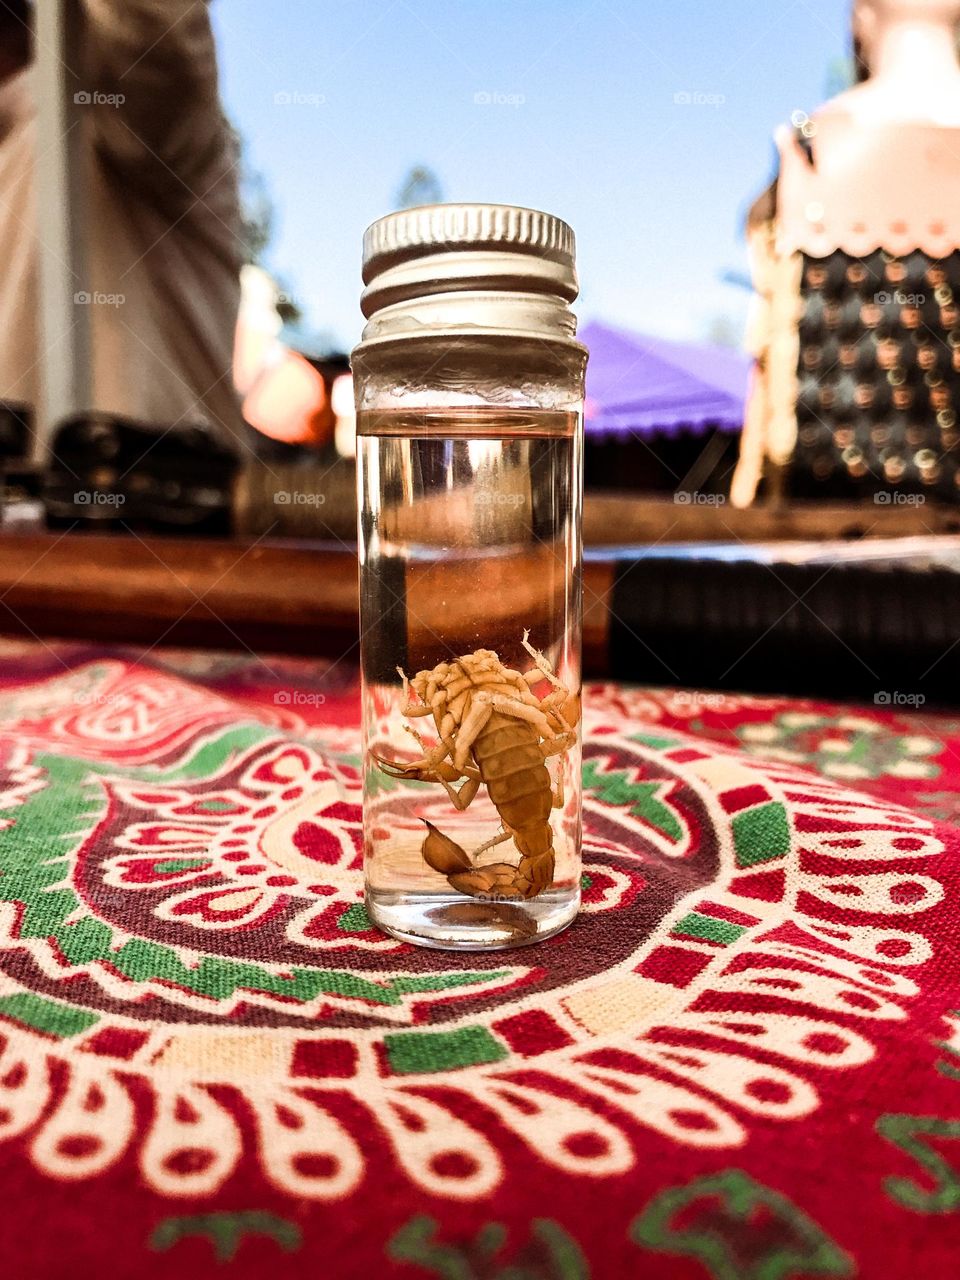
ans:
(495, 733)
(511, 763)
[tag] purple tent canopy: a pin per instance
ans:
(649, 386)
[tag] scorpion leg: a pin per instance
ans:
(422, 770)
(557, 797)
(462, 798)
(556, 704)
(411, 708)
(433, 768)
(557, 745)
(504, 834)
(553, 701)
(523, 690)
(554, 707)
(544, 671)
(446, 774)
(478, 715)
(418, 738)
(438, 850)
(520, 711)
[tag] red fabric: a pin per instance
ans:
(743, 1060)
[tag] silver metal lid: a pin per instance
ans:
(415, 233)
(469, 267)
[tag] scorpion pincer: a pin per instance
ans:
(494, 732)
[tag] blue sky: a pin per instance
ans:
(581, 118)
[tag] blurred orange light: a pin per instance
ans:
(341, 401)
(289, 402)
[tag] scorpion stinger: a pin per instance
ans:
(494, 732)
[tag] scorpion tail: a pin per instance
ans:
(446, 856)
(443, 854)
(534, 874)
(504, 880)
(495, 879)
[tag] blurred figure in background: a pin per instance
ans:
(769, 431)
(856, 257)
(162, 249)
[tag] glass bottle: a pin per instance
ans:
(469, 392)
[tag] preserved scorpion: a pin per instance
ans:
(494, 732)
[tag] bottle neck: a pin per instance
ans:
(473, 313)
(480, 369)
(462, 292)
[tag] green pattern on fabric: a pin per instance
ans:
(551, 1253)
(171, 865)
(696, 925)
(655, 740)
(226, 1231)
(413, 1052)
(761, 834)
(355, 919)
(376, 782)
(909, 1134)
(35, 863)
(947, 1068)
(717, 1213)
(56, 1019)
(844, 747)
(641, 799)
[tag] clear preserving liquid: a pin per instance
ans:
(469, 534)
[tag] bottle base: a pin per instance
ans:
(451, 922)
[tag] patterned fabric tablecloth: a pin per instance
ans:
(743, 1061)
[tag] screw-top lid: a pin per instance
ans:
(445, 228)
(469, 268)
